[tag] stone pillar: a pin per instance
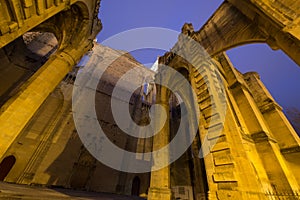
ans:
(160, 179)
(278, 173)
(17, 112)
(280, 127)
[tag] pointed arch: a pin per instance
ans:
(6, 165)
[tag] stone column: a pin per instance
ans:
(160, 179)
(267, 147)
(280, 127)
(17, 111)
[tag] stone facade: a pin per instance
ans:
(253, 152)
(49, 151)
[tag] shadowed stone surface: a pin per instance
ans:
(11, 191)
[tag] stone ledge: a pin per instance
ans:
(223, 160)
(268, 107)
(294, 149)
(220, 147)
(224, 177)
(262, 137)
(159, 193)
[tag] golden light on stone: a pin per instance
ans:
(254, 152)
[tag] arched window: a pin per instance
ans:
(5, 166)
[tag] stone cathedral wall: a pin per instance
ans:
(49, 151)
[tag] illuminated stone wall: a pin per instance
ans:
(30, 85)
(256, 154)
(49, 151)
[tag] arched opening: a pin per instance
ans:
(42, 44)
(5, 166)
(21, 58)
(135, 189)
(188, 173)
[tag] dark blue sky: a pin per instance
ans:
(279, 73)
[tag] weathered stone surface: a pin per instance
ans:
(14, 115)
(49, 150)
(254, 121)
(253, 150)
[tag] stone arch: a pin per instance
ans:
(75, 31)
(237, 23)
(22, 58)
(6, 165)
(185, 72)
(68, 26)
(196, 165)
(228, 28)
(84, 9)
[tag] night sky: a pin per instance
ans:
(278, 72)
